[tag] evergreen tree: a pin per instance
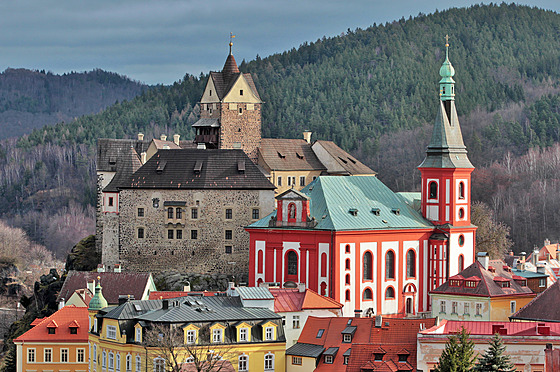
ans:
(458, 355)
(494, 359)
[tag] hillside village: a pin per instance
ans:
(327, 268)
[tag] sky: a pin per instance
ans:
(159, 41)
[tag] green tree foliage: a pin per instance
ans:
(458, 355)
(494, 358)
(492, 236)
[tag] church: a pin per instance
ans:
(374, 250)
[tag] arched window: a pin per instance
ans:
(390, 293)
(461, 190)
(138, 366)
(368, 295)
(292, 263)
(269, 362)
(461, 262)
(159, 365)
(347, 248)
(461, 213)
(243, 363)
(347, 264)
(409, 305)
(390, 265)
(291, 211)
(111, 361)
(433, 190)
(260, 261)
(461, 240)
(347, 279)
(347, 295)
(323, 264)
(118, 362)
(128, 362)
(411, 264)
(367, 266)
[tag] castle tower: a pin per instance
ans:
(446, 188)
(230, 111)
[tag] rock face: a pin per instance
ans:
(176, 281)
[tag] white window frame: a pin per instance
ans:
(111, 332)
(296, 322)
(104, 360)
(347, 337)
(128, 363)
(80, 358)
(118, 362)
(191, 337)
(48, 352)
(31, 355)
(269, 362)
(454, 307)
(94, 354)
(244, 334)
(217, 335)
(512, 306)
(159, 364)
(95, 325)
(542, 282)
(64, 355)
(329, 359)
(138, 364)
(269, 333)
(478, 309)
(111, 361)
(243, 363)
(442, 307)
(466, 308)
(138, 335)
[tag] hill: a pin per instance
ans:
(32, 99)
(369, 90)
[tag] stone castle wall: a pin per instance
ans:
(206, 254)
(241, 130)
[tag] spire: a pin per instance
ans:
(446, 148)
(447, 84)
(97, 302)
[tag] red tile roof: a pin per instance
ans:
(485, 328)
(63, 319)
(292, 300)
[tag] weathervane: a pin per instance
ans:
(447, 40)
(231, 37)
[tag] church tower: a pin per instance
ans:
(446, 188)
(230, 111)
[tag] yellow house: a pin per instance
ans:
(155, 335)
(56, 343)
(481, 292)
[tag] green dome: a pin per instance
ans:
(97, 302)
(446, 71)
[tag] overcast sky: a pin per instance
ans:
(158, 41)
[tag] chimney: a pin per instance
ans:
(546, 242)
(165, 304)
(541, 269)
(301, 287)
(307, 136)
(543, 329)
(357, 313)
(117, 268)
(523, 256)
(534, 256)
(143, 157)
(100, 268)
(483, 258)
(176, 139)
(187, 287)
(123, 299)
(511, 253)
(201, 146)
(163, 137)
(61, 303)
(91, 286)
(557, 252)
(140, 136)
(548, 257)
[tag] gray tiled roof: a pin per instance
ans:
(305, 350)
(254, 293)
(110, 149)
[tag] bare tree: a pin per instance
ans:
(165, 344)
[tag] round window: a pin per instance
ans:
(461, 240)
(461, 213)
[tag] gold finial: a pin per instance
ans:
(446, 40)
(231, 37)
(98, 277)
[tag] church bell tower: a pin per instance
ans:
(446, 188)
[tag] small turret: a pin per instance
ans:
(447, 84)
(98, 302)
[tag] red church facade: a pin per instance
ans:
(375, 251)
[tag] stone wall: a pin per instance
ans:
(241, 130)
(206, 254)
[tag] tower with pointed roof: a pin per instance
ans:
(446, 188)
(230, 111)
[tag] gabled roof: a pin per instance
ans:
(198, 169)
(114, 284)
(281, 154)
(342, 162)
(225, 79)
(110, 149)
(332, 198)
(292, 300)
(161, 144)
(544, 307)
(127, 164)
(64, 319)
(487, 287)
(254, 293)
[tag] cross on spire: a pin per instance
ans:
(446, 40)
(231, 37)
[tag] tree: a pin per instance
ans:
(458, 355)
(494, 359)
(491, 236)
(165, 343)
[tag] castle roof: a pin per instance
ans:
(109, 150)
(356, 203)
(64, 319)
(198, 169)
(225, 79)
(127, 164)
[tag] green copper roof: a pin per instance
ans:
(447, 71)
(97, 302)
(357, 203)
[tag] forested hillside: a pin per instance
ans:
(33, 99)
(373, 91)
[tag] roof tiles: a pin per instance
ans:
(62, 321)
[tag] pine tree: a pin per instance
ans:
(494, 358)
(458, 355)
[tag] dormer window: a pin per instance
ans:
(73, 330)
(52, 330)
(241, 92)
(471, 284)
(455, 283)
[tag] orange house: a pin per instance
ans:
(56, 343)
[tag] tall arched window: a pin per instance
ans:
(390, 265)
(347, 280)
(347, 295)
(159, 365)
(461, 262)
(347, 264)
(243, 363)
(390, 293)
(461, 190)
(292, 263)
(368, 266)
(260, 261)
(411, 264)
(433, 190)
(368, 295)
(323, 264)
